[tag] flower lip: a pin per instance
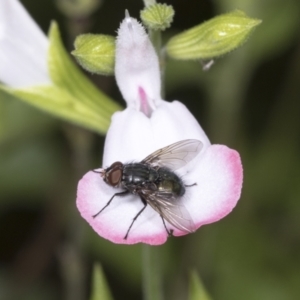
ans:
(218, 175)
(155, 183)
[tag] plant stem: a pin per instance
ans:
(151, 260)
(152, 273)
(73, 267)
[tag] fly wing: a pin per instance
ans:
(175, 155)
(176, 214)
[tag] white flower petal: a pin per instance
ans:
(218, 174)
(132, 135)
(113, 222)
(137, 69)
(219, 177)
(23, 47)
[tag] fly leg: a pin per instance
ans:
(134, 219)
(169, 232)
(95, 171)
(189, 185)
(116, 194)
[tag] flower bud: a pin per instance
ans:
(95, 53)
(157, 16)
(213, 38)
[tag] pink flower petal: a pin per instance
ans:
(219, 178)
(218, 174)
(113, 223)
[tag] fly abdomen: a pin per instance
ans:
(170, 183)
(138, 174)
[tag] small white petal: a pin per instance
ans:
(23, 47)
(137, 68)
(132, 135)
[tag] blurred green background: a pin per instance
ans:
(249, 100)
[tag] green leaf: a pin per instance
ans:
(196, 288)
(213, 38)
(95, 53)
(100, 290)
(158, 16)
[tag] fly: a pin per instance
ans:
(154, 180)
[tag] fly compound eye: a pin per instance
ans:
(114, 173)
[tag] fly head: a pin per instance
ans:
(113, 174)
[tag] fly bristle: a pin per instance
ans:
(102, 172)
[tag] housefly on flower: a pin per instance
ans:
(154, 180)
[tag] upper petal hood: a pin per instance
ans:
(137, 67)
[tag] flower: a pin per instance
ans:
(146, 125)
(23, 47)
(40, 72)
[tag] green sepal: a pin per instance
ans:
(158, 16)
(60, 103)
(196, 288)
(100, 290)
(71, 96)
(213, 38)
(95, 53)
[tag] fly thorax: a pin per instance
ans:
(138, 174)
